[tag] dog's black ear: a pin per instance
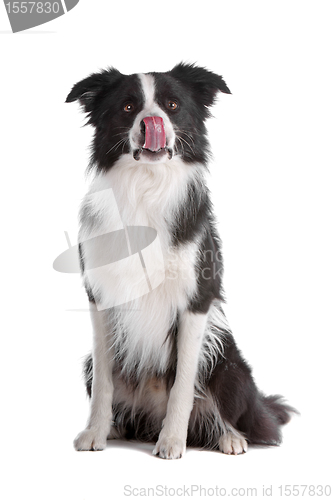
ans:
(203, 82)
(86, 90)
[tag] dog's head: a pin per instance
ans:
(152, 117)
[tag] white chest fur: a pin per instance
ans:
(141, 311)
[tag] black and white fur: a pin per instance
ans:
(165, 366)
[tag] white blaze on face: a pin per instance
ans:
(148, 88)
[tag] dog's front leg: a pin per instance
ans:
(172, 439)
(94, 436)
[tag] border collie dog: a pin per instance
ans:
(164, 366)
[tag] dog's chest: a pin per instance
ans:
(147, 288)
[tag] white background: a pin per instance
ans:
(271, 182)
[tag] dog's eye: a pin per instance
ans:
(172, 105)
(129, 107)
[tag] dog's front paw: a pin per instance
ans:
(90, 439)
(170, 447)
(232, 445)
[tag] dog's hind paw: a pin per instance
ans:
(90, 440)
(169, 447)
(232, 445)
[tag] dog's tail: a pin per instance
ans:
(261, 423)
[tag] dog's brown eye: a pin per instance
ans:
(129, 107)
(172, 105)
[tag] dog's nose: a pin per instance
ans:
(152, 128)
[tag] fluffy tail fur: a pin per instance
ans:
(261, 424)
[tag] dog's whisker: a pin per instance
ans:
(183, 140)
(188, 135)
(116, 146)
(120, 133)
(191, 132)
(180, 142)
(127, 140)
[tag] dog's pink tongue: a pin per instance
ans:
(155, 133)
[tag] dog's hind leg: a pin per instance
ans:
(94, 436)
(172, 439)
(246, 412)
